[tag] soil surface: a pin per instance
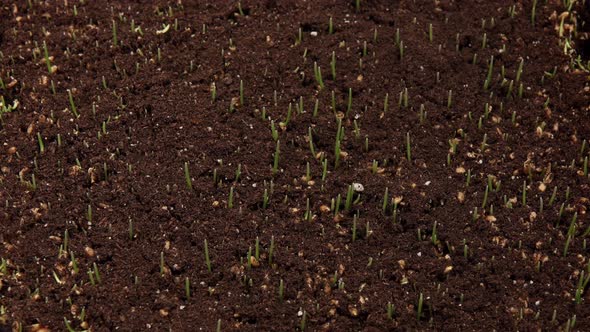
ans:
(431, 173)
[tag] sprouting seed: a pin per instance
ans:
(96, 273)
(187, 288)
(316, 107)
(187, 177)
(390, 310)
(162, 264)
(349, 107)
(281, 290)
(115, 39)
(271, 250)
(420, 304)
(303, 323)
(265, 199)
(524, 188)
(213, 91)
(275, 166)
(41, 145)
(72, 105)
(450, 99)
(430, 33)
(241, 93)
(230, 200)
(533, 12)
(47, 59)
(330, 26)
(553, 196)
(333, 65)
(386, 103)
(488, 80)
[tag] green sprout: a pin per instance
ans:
(230, 200)
(271, 250)
(187, 177)
(72, 105)
(115, 40)
(333, 65)
(275, 167)
(420, 304)
(47, 59)
(187, 288)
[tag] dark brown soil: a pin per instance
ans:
(107, 190)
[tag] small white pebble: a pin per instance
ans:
(358, 187)
(427, 183)
(314, 33)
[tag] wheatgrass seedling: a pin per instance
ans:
(230, 199)
(303, 323)
(47, 59)
(330, 26)
(265, 199)
(553, 196)
(450, 99)
(281, 290)
(238, 173)
(115, 39)
(40, 141)
(162, 264)
(271, 250)
(354, 222)
(485, 197)
(318, 75)
(72, 105)
(187, 177)
(420, 305)
(187, 288)
(96, 273)
(430, 33)
(273, 130)
(241, 93)
(488, 80)
(533, 12)
(316, 107)
(333, 65)
(349, 106)
(275, 167)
